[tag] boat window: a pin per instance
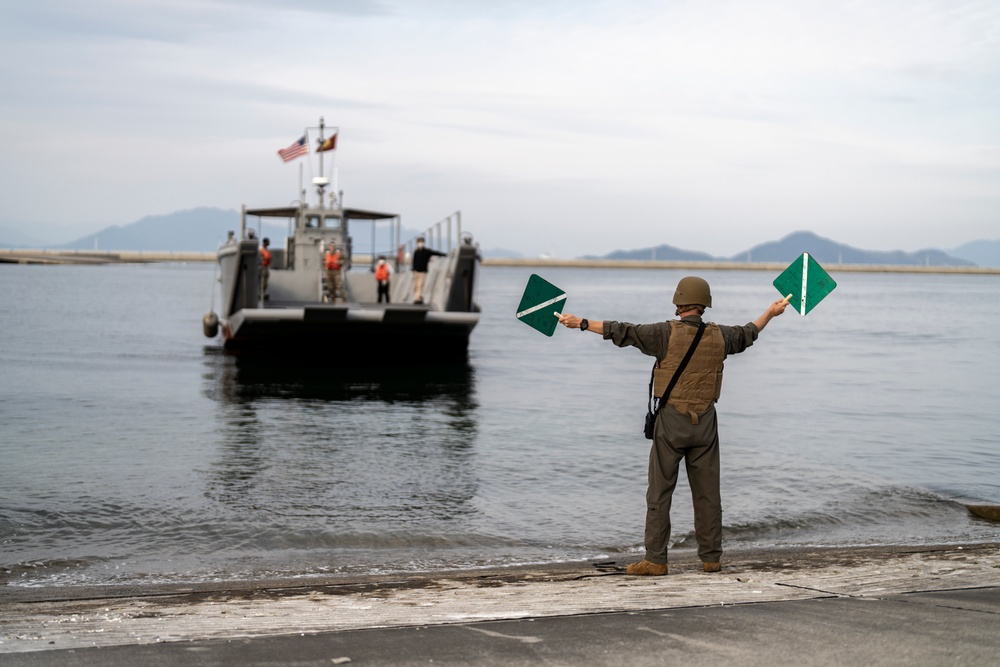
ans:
(318, 221)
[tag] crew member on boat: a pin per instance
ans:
(421, 258)
(334, 275)
(265, 265)
(382, 272)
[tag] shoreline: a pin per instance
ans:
(97, 257)
(36, 619)
(682, 560)
(735, 266)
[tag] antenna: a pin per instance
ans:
(322, 124)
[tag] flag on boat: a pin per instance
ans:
(297, 149)
(328, 144)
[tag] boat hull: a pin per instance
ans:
(352, 335)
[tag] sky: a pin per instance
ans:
(564, 128)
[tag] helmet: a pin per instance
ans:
(693, 290)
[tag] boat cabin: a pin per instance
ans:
(297, 269)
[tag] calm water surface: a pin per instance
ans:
(133, 450)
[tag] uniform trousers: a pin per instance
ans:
(335, 283)
(675, 438)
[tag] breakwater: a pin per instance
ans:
(734, 266)
(29, 256)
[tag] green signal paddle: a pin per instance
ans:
(805, 282)
(540, 303)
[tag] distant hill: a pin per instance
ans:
(661, 252)
(983, 253)
(205, 229)
(197, 229)
(826, 251)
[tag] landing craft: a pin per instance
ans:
(299, 312)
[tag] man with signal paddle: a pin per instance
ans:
(689, 359)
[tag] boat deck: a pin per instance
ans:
(363, 305)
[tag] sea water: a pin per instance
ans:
(132, 450)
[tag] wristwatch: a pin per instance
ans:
(584, 325)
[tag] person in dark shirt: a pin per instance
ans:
(421, 259)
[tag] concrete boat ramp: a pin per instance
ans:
(874, 605)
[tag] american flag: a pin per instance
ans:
(297, 149)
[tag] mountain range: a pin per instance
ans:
(194, 230)
(825, 251)
(204, 229)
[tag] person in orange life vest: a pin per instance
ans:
(421, 258)
(265, 265)
(382, 272)
(334, 276)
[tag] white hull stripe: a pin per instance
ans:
(353, 315)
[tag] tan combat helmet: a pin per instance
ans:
(691, 291)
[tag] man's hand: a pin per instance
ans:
(778, 307)
(568, 320)
(775, 309)
(573, 322)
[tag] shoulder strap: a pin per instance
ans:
(677, 373)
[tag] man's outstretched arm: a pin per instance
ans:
(573, 322)
(775, 309)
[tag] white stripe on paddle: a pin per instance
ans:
(805, 281)
(529, 311)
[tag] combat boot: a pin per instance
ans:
(713, 567)
(645, 568)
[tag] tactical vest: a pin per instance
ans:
(700, 385)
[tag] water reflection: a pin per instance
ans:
(391, 448)
(242, 381)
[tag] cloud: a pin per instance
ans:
(164, 20)
(744, 120)
(331, 7)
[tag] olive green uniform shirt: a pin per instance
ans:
(651, 339)
(676, 439)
